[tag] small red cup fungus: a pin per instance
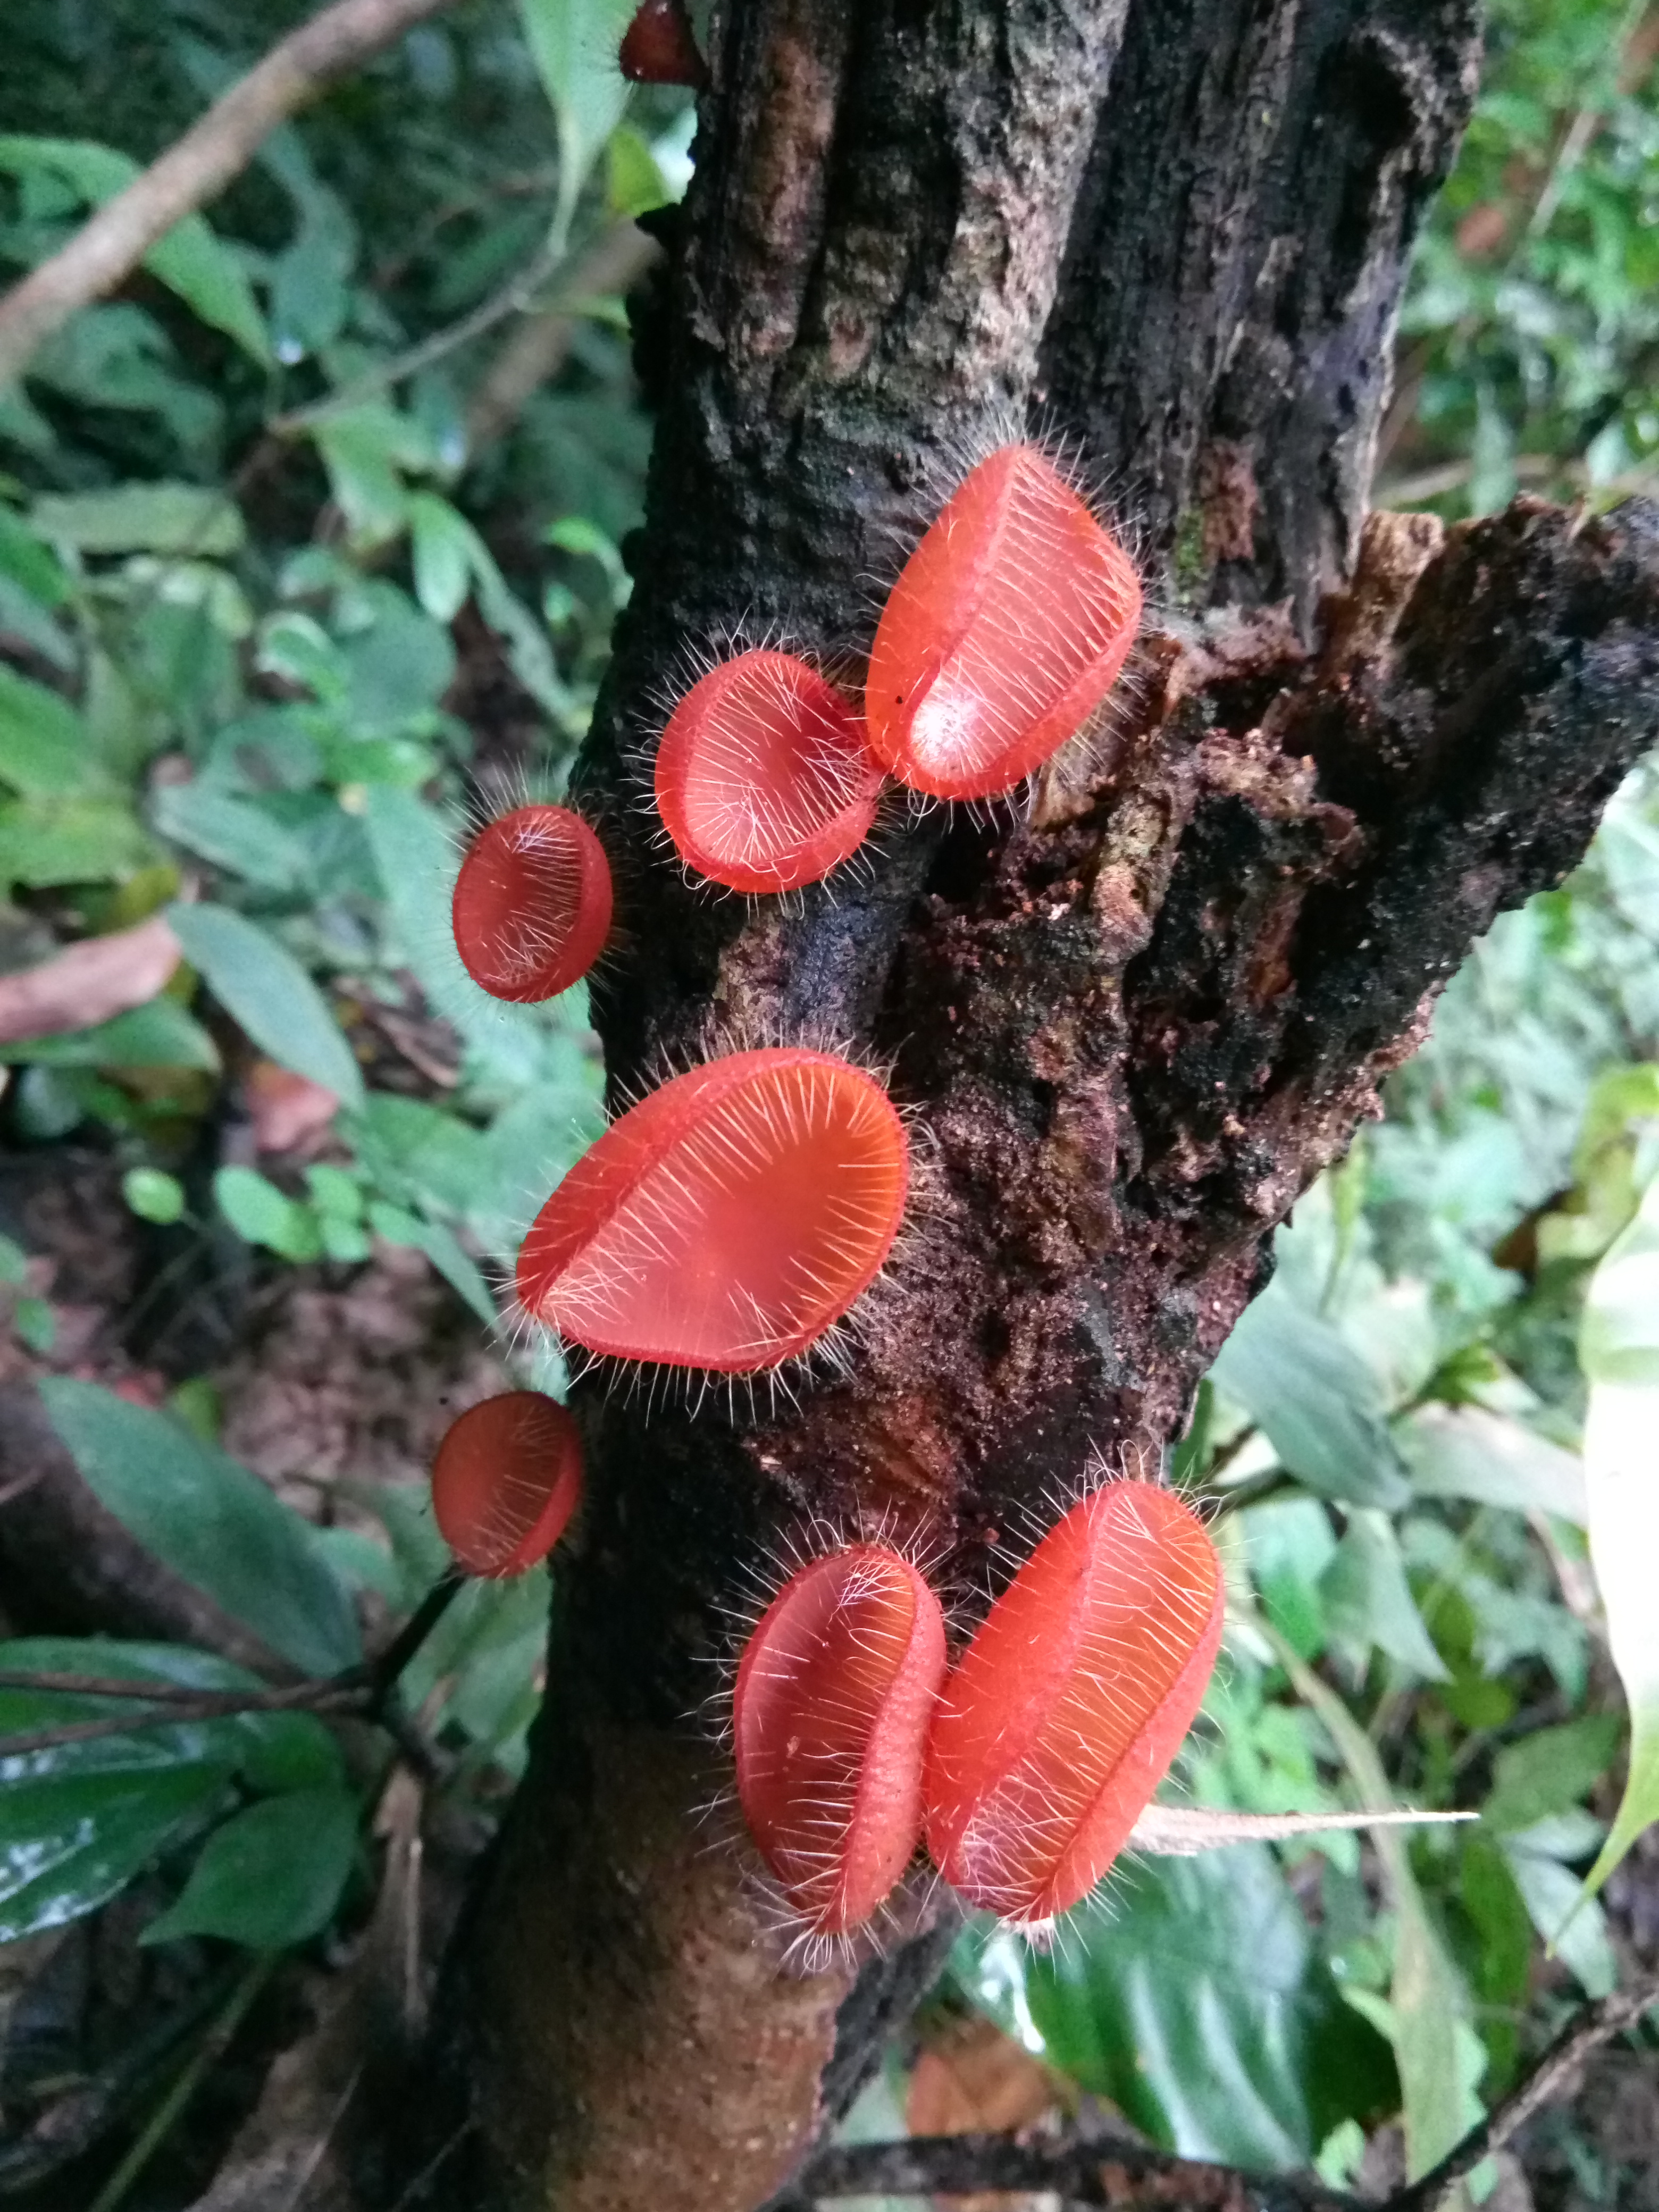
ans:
(1008, 625)
(532, 909)
(726, 1221)
(1066, 1709)
(658, 47)
(834, 1693)
(507, 1480)
(764, 779)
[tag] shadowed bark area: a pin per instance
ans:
(1134, 1024)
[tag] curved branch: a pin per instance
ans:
(108, 247)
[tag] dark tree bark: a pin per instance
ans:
(1133, 1025)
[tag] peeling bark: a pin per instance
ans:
(1133, 1025)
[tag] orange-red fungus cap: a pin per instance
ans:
(765, 779)
(728, 1219)
(834, 1693)
(1071, 1702)
(533, 904)
(507, 1479)
(1008, 625)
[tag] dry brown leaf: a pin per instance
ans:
(287, 1111)
(88, 982)
(971, 2078)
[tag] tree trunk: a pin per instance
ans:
(1133, 1022)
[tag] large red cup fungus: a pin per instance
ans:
(505, 1481)
(726, 1221)
(1008, 625)
(1069, 1704)
(834, 1693)
(764, 777)
(532, 909)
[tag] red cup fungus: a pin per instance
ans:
(764, 777)
(728, 1220)
(507, 1480)
(1008, 626)
(1067, 1708)
(834, 1693)
(532, 909)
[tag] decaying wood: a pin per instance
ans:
(1133, 1023)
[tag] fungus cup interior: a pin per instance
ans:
(1071, 1702)
(507, 1479)
(728, 1220)
(532, 909)
(834, 1693)
(764, 777)
(1007, 627)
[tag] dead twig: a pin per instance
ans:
(1596, 2025)
(111, 244)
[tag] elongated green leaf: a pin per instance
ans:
(263, 987)
(1426, 2016)
(231, 833)
(162, 1034)
(1619, 1351)
(574, 43)
(1464, 1451)
(1548, 1771)
(1314, 1399)
(70, 1843)
(144, 518)
(400, 1227)
(1195, 2000)
(1368, 1600)
(44, 746)
(210, 1519)
(190, 260)
(271, 1877)
(70, 840)
(271, 1750)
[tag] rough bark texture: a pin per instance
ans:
(1134, 1024)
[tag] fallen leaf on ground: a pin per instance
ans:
(89, 982)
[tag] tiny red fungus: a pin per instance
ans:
(532, 909)
(507, 1479)
(1066, 1709)
(728, 1221)
(658, 47)
(834, 1693)
(1008, 625)
(765, 780)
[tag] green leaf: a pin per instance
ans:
(45, 842)
(1550, 1771)
(263, 988)
(398, 1227)
(271, 1750)
(190, 260)
(633, 184)
(70, 1843)
(144, 518)
(1368, 1600)
(264, 1215)
(271, 1877)
(1194, 1999)
(442, 545)
(44, 749)
(233, 833)
(1573, 1923)
(204, 1516)
(574, 45)
(160, 1034)
(153, 1195)
(30, 563)
(1315, 1399)
(1619, 1351)
(1464, 1451)
(1426, 2014)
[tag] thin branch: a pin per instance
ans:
(1596, 2025)
(108, 247)
(342, 1695)
(1110, 2170)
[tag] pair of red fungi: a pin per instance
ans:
(1026, 1766)
(1007, 627)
